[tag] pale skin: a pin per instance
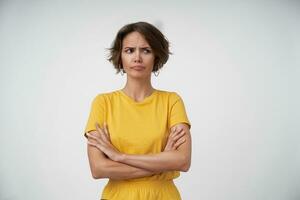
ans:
(105, 160)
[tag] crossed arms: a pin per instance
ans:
(107, 162)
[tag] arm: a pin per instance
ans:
(179, 159)
(103, 167)
(176, 157)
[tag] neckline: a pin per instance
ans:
(145, 100)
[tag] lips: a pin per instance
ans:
(138, 67)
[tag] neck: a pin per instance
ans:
(138, 89)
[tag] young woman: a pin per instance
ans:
(138, 136)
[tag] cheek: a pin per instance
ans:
(149, 59)
(124, 59)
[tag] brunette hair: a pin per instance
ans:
(157, 41)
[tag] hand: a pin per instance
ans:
(101, 140)
(175, 139)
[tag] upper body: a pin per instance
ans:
(139, 128)
(146, 132)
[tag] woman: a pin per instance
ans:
(138, 136)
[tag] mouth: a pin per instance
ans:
(138, 67)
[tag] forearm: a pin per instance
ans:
(142, 165)
(164, 161)
(120, 171)
(178, 159)
(103, 167)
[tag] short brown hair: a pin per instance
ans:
(157, 41)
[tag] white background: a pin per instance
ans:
(236, 65)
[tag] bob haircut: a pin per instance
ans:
(157, 41)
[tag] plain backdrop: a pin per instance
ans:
(236, 64)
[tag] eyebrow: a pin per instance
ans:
(147, 47)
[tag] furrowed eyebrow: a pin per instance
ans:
(135, 48)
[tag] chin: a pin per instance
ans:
(138, 75)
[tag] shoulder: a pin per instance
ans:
(170, 95)
(105, 96)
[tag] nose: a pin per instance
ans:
(137, 56)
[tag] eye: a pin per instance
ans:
(147, 51)
(128, 50)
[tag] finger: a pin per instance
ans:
(176, 136)
(104, 137)
(174, 129)
(97, 145)
(178, 130)
(106, 131)
(168, 147)
(97, 125)
(171, 140)
(179, 135)
(93, 136)
(98, 139)
(92, 143)
(172, 135)
(99, 129)
(179, 142)
(101, 132)
(174, 132)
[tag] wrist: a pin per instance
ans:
(121, 157)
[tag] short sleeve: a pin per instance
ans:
(177, 111)
(97, 114)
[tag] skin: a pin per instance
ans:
(137, 52)
(173, 157)
(103, 167)
(105, 160)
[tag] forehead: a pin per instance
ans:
(134, 39)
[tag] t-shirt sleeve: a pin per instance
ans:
(177, 111)
(97, 114)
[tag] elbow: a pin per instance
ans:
(96, 175)
(97, 172)
(185, 164)
(185, 168)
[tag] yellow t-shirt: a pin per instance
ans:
(139, 127)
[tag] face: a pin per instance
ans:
(137, 56)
